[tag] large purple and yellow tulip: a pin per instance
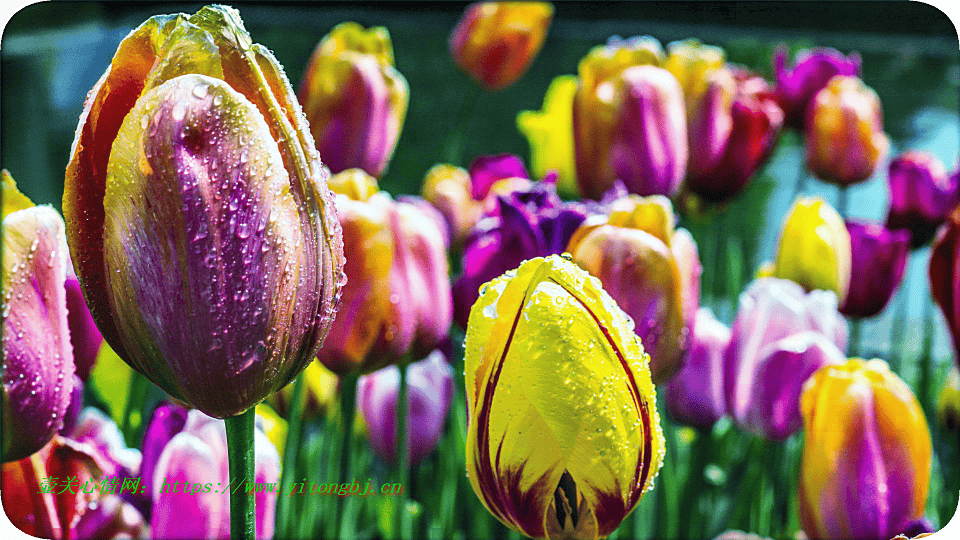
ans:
(216, 269)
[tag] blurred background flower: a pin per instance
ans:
(694, 396)
(922, 195)
(878, 260)
(650, 268)
(798, 85)
(495, 42)
(844, 132)
(430, 389)
(866, 453)
(354, 98)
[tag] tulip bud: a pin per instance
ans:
(922, 195)
(814, 247)
(495, 42)
(755, 119)
(528, 223)
(448, 189)
(945, 278)
(354, 98)
(694, 395)
(648, 147)
(429, 391)
(635, 256)
(878, 260)
(845, 140)
(189, 495)
(397, 293)
(866, 453)
(563, 435)
(770, 347)
(595, 111)
(549, 133)
(810, 72)
(38, 368)
(200, 224)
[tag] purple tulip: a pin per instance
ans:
(756, 119)
(773, 397)
(648, 148)
(525, 224)
(879, 257)
(486, 170)
(166, 421)
(193, 461)
(429, 391)
(766, 352)
(37, 356)
(921, 195)
(84, 334)
(695, 394)
(809, 74)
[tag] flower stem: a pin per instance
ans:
(348, 402)
(403, 458)
(290, 453)
(856, 331)
(240, 453)
(926, 355)
(135, 400)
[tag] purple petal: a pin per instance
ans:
(695, 394)
(485, 170)
(879, 258)
(84, 334)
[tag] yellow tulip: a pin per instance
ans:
(814, 247)
(564, 436)
(550, 134)
(866, 453)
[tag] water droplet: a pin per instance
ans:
(200, 91)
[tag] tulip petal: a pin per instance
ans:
(38, 365)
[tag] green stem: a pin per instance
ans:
(348, 404)
(404, 524)
(455, 142)
(240, 453)
(896, 332)
(135, 401)
(695, 485)
(284, 521)
(926, 356)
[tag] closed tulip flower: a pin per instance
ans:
(396, 303)
(866, 459)
(922, 195)
(199, 220)
(495, 42)
(430, 389)
(38, 367)
(811, 70)
(878, 260)
(945, 276)
(525, 224)
(194, 460)
(814, 247)
(694, 396)
(844, 132)
(720, 168)
(595, 110)
(651, 270)
(563, 437)
(354, 98)
(772, 351)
